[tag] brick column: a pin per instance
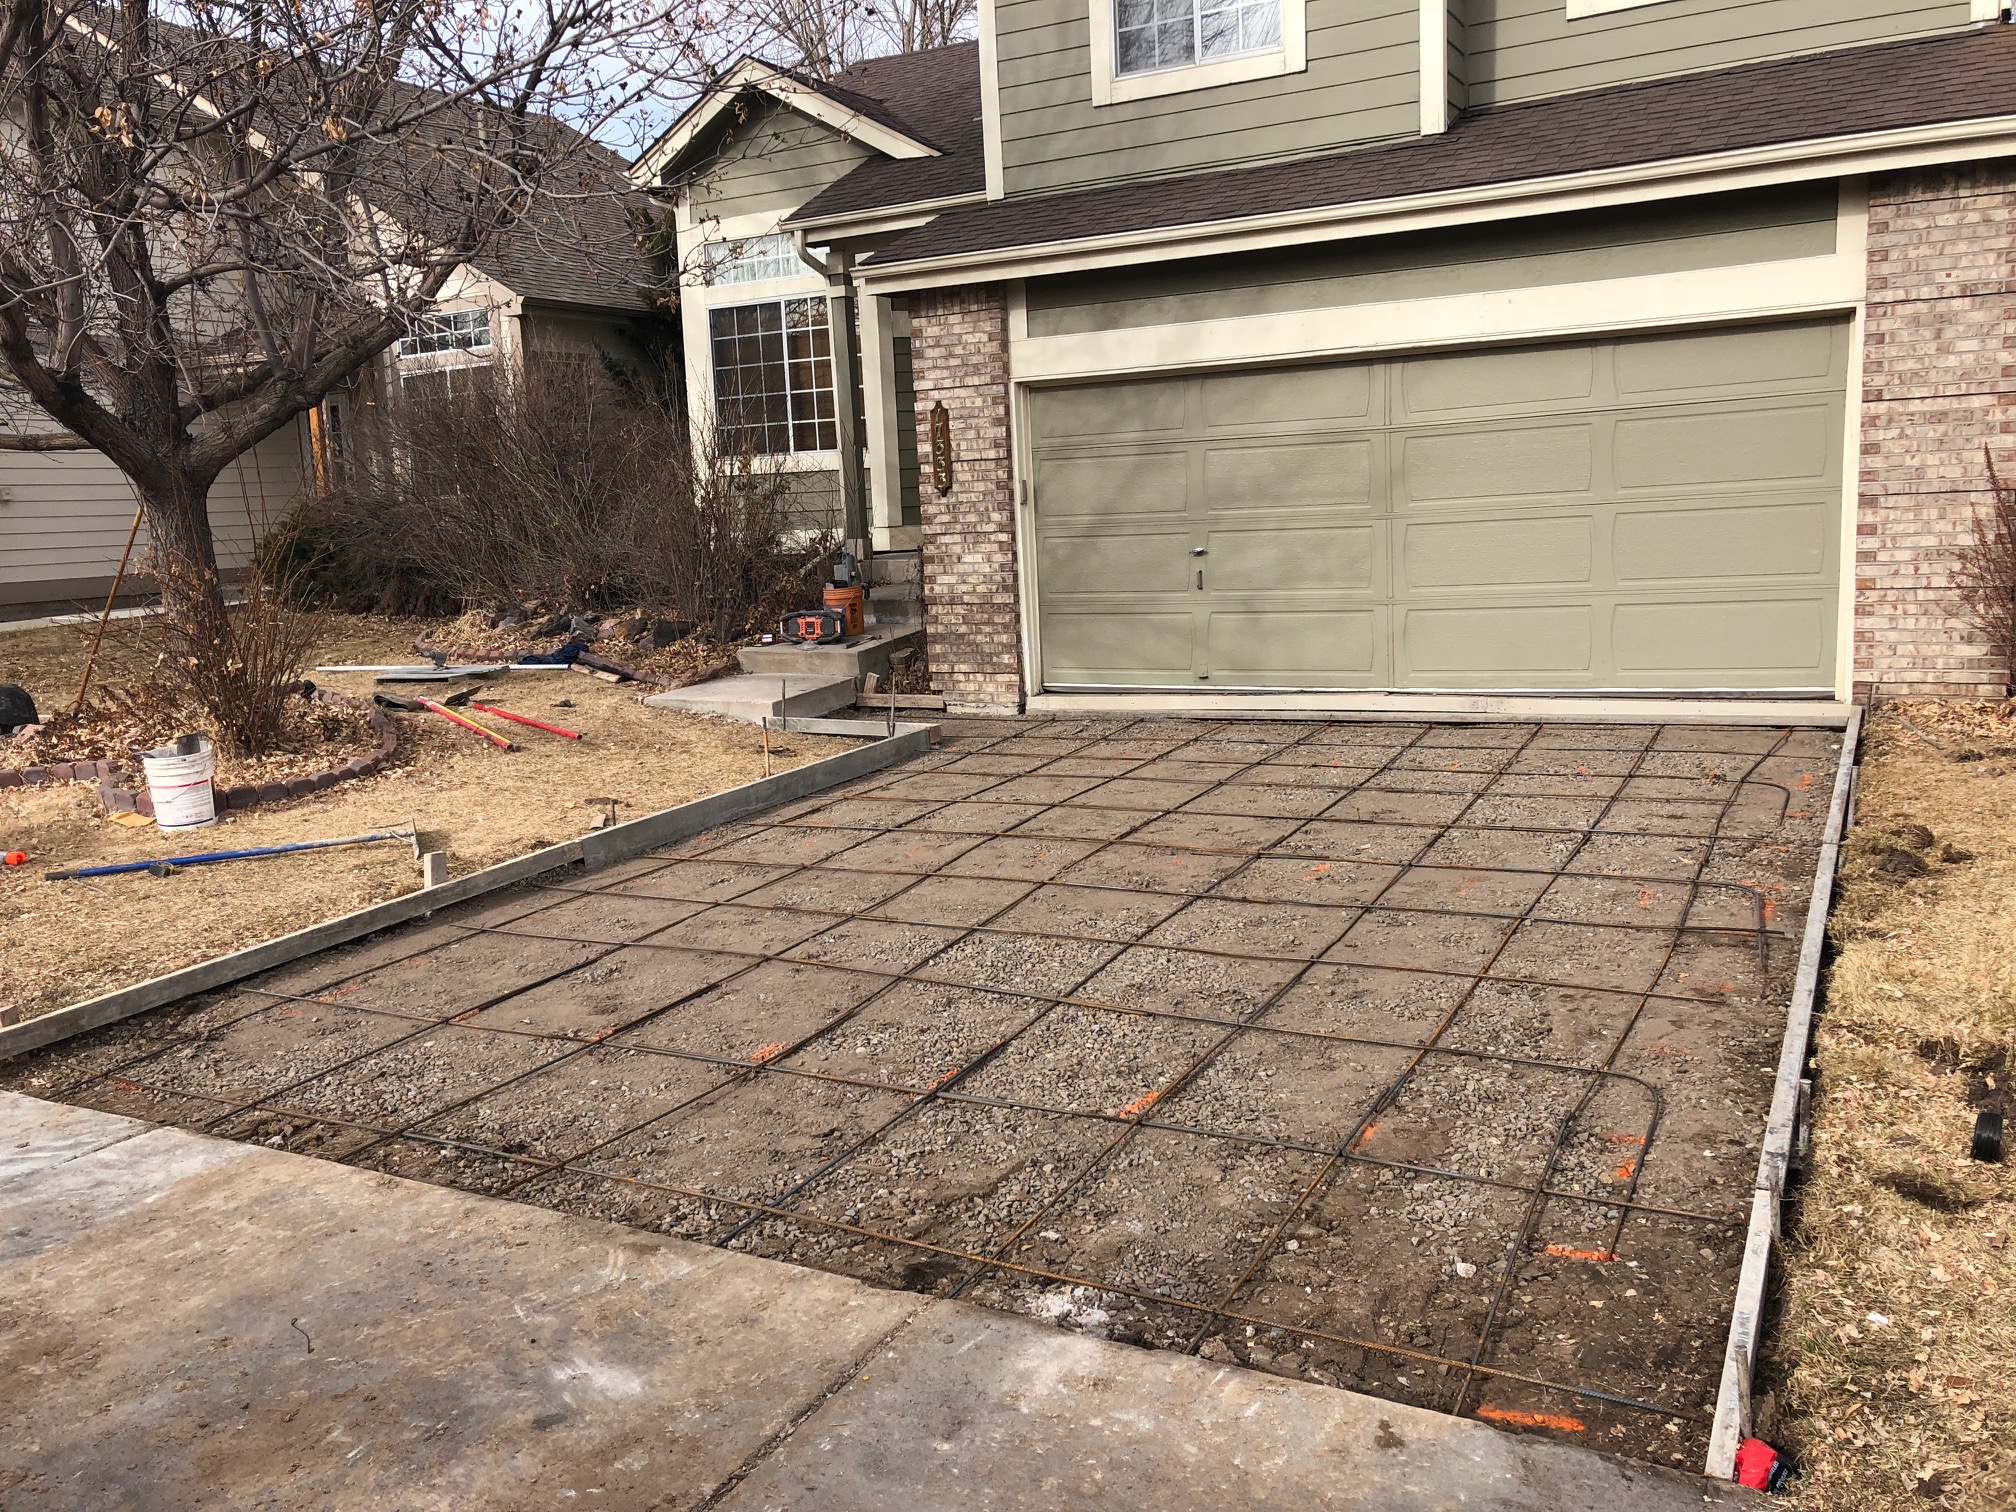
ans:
(972, 618)
(1938, 383)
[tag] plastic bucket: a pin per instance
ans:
(849, 601)
(179, 780)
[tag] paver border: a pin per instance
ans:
(1732, 1403)
(597, 848)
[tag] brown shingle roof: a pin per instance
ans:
(1955, 77)
(932, 96)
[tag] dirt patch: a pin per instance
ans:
(64, 942)
(1886, 1373)
(1441, 1076)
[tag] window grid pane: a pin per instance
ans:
(1157, 34)
(751, 260)
(450, 331)
(773, 377)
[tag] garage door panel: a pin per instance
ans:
(1111, 409)
(1118, 646)
(1502, 463)
(1779, 635)
(1278, 559)
(1465, 645)
(1302, 473)
(1285, 396)
(1309, 647)
(1523, 378)
(1119, 562)
(1775, 356)
(1714, 545)
(1710, 446)
(1655, 512)
(1116, 485)
(1498, 553)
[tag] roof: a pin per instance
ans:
(576, 245)
(1954, 77)
(932, 95)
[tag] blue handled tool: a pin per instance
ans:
(407, 832)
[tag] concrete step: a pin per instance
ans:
(755, 698)
(896, 567)
(866, 653)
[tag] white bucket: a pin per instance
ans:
(180, 783)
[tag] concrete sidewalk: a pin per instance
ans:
(189, 1322)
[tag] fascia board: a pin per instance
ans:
(1704, 173)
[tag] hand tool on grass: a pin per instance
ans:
(166, 864)
(463, 699)
(428, 705)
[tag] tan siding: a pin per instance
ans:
(1524, 49)
(777, 161)
(1718, 231)
(64, 516)
(1361, 84)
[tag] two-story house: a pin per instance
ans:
(1330, 354)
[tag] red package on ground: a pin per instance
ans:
(1758, 1466)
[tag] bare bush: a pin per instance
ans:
(240, 678)
(1986, 575)
(563, 485)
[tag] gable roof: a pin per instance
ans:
(1842, 94)
(576, 245)
(936, 93)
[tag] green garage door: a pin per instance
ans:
(1655, 512)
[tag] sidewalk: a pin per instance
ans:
(189, 1322)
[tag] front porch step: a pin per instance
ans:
(755, 698)
(865, 653)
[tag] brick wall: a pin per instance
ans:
(1938, 382)
(959, 356)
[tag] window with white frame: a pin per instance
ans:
(751, 259)
(1151, 35)
(447, 331)
(773, 377)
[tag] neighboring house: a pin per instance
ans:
(1301, 348)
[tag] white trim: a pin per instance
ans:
(990, 102)
(1985, 10)
(754, 73)
(1851, 245)
(1435, 67)
(1705, 173)
(879, 420)
(1555, 707)
(1580, 9)
(1792, 286)
(1110, 87)
(904, 217)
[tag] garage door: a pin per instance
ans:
(1657, 512)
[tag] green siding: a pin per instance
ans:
(1713, 231)
(1361, 84)
(1651, 512)
(775, 161)
(906, 433)
(1524, 49)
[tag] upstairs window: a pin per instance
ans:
(773, 377)
(1158, 34)
(448, 331)
(751, 259)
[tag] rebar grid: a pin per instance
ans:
(774, 1060)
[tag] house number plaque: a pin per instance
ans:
(941, 448)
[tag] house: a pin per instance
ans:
(1314, 354)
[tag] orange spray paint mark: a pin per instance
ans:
(465, 1016)
(944, 1079)
(1366, 1138)
(1644, 897)
(1805, 779)
(122, 1084)
(1582, 771)
(1140, 1104)
(340, 992)
(1568, 1252)
(1532, 1419)
(1625, 1139)
(1770, 909)
(768, 1053)
(1316, 871)
(1627, 1170)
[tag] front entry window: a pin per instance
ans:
(1158, 34)
(773, 377)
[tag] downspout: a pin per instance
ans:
(846, 407)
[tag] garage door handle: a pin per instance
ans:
(1200, 577)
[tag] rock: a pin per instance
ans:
(16, 707)
(1901, 863)
(665, 631)
(510, 617)
(632, 630)
(581, 627)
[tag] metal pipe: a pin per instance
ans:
(408, 833)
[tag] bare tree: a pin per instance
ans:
(822, 37)
(208, 223)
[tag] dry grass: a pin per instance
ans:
(1889, 1370)
(63, 942)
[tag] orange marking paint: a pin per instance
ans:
(1467, 886)
(1582, 771)
(1316, 871)
(465, 1016)
(1627, 1170)
(1770, 909)
(1532, 1419)
(122, 1084)
(1140, 1104)
(1644, 897)
(944, 1079)
(1366, 1138)
(340, 992)
(769, 1052)
(1805, 779)
(1594, 1257)
(1627, 1139)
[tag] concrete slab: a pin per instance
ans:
(42, 1134)
(757, 697)
(186, 1321)
(970, 1409)
(865, 653)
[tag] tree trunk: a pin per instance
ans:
(185, 561)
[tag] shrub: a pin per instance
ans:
(566, 486)
(1986, 575)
